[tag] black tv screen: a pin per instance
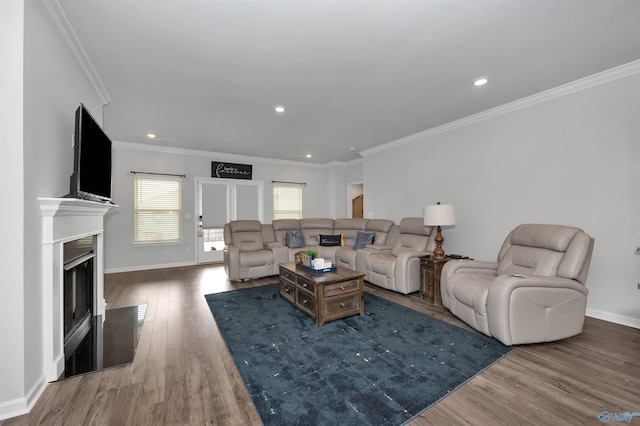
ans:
(91, 178)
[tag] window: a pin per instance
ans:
(287, 201)
(157, 210)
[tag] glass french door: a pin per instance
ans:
(220, 201)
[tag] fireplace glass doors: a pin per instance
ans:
(78, 288)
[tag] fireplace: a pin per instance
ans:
(77, 305)
(71, 224)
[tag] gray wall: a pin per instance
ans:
(571, 160)
(41, 156)
(12, 300)
(322, 183)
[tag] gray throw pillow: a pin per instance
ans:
(294, 239)
(363, 239)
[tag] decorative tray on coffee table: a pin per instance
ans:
(316, 271)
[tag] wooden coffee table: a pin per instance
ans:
(324, 297)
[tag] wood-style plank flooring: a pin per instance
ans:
(183, 374)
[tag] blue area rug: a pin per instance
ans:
(383, 368)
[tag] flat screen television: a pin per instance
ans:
(91, 178)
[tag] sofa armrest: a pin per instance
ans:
(272, 244)
(231, 255)
(280, 255)
(464, 266)
(378, 248)
(532, 308)
(406, 255)
(407, 271)
(508, 283)
(467, 266)
(371, 249)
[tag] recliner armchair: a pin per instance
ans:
(398, 269)
(535, 291)
(244, 254)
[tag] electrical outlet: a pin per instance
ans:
(637, 250)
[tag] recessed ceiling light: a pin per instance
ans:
(308, 155)
(480, 81)
(151, 135)
(279, 108)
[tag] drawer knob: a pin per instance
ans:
(304, 301)
(342, 305)
(304, 285)
(342, 287)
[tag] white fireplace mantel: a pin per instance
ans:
(63, 220)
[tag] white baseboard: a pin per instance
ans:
(147, 267)
(20, 406)
(618, 319)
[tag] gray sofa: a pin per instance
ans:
(254, 250)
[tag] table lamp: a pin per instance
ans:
(439, 215)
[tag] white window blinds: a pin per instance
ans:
(157, 210)
(214, 198)
(287, 201)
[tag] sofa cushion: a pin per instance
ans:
(414, 225)
(409, 243)
(248, 241)
(256, 259)
(245, 226)
(348, 227)
(312, 227)
(363, 239)
(294, 239)
(552, 237)
(529, 261)
(381, 229)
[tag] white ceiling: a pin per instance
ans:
(352, 74)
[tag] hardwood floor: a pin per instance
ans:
(183, 374)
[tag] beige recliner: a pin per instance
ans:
(398, 269)
(534, 293)
(244, 254)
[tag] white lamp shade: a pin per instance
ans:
(439, 215)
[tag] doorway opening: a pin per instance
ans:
(355, 199)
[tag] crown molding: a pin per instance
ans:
(59, 17)
(566, 89)
(344, 163)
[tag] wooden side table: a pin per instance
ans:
(430, 271)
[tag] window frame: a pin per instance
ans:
(173, 211)
(282, 213)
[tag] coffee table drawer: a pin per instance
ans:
(342, 306)
(287, 275)
(288, 291)
(306, 285)
(306, 302)
(341, 288)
